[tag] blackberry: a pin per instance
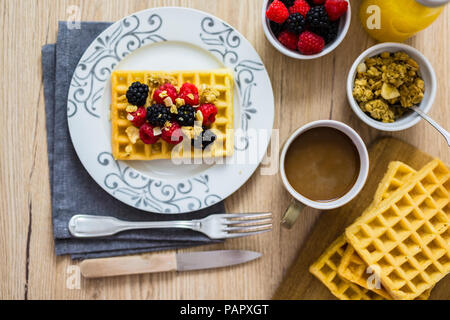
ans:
(317, 18)
(288, 3)
(328, 34)
(276, 28)
(185, 116)
(295, 23)
(205, 139)
(137, 94)
(158, 114)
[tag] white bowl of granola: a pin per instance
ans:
(381, 90)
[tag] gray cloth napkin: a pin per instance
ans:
(73, 190)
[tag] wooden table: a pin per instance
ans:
(304, 91)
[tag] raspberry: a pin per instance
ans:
(164, 91)
(138, 117)
(300, 6)
(277, 12)
(189, 93)
(209, 112)
(147, 135)
(172, 134)
(288, 39)
(317, 2)
(336, 8)
(310, 43)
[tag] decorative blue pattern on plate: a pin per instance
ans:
(89, 98)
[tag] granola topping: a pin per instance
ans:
(387, 85)
(133, 134)
(131, 108)
(208, 94)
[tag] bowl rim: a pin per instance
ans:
(295, 54)
(415, 118)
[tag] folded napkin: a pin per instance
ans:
(73, 190)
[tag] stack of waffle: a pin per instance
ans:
(399, 248)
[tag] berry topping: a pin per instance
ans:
(310, 43)
(137, 94)
(276, 28)
(158, 114)
(189, 93)
(204, 139)
(295, 23)
(185, 116)
(138, 117)
(317, 2)
(288, 3)
(164, 91)
(328, 34)
(209, 112)
(171, 133)
(288, 39)
(317, 18)
(277, 12)
(147, 135)
(300, 6)
(336, 8)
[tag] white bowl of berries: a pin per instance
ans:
(305, 29)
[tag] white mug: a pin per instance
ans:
(300, 201)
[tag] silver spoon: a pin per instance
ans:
(433, 123)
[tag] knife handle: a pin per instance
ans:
(117, 266)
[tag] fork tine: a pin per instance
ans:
(244, 234)
(248, 228)
(248, 216)
(231, 222)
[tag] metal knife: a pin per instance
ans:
(151, 263)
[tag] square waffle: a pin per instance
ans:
(218, 79)
(352, 267)
(407, 236)
(325, 269)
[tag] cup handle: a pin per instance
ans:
(291, 214)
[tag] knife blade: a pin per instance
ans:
(152, 263)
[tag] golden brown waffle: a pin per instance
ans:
(407, 236)
(325, 269)
(218, 79)
(352, 267)
(396, 176)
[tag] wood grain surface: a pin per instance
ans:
(299, 283)
(304, 91)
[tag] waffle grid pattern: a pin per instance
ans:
(407, 236)
(220, 80)
(352, 267)
(326, 270)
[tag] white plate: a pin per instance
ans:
(169, 39)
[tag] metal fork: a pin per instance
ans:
(216, 226)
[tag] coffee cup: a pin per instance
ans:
(323, 165)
